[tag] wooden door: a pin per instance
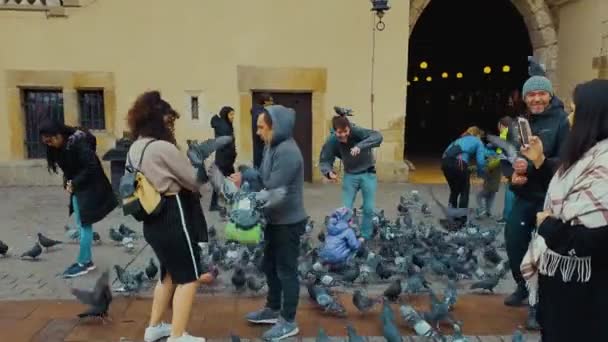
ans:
(302, 133)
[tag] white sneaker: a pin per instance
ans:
(186, 338)
(157, 332)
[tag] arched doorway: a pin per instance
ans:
(451, 44)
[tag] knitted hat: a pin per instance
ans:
(536, 83)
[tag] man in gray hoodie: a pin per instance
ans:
(282, 166)
(353, 145)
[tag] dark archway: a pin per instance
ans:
(462, 37)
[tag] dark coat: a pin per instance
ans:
(91, 187)
(225, 156)
(258, 144)
(552, 127)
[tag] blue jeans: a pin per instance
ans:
(367, 183)
(509, 199)
(86, 236)
(485, 200)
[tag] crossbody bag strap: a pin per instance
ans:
(141, 157)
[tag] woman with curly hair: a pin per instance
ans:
(174, 232)
(91, 196)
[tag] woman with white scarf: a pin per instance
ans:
(566, 266)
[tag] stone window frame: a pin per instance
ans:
(69, 82)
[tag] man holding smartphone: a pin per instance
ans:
(353, 145)
(547, 120)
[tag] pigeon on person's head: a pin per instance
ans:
(535, 68)
(343, 111)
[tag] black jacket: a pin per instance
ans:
(225, 156)
(258, 144)
(552, 127)
(91, 187)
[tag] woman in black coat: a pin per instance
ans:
(224, 157)
(91, 195)
(566, 267)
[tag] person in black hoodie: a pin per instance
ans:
(91, 195)
(225, 156)
(258, 145)
(549, 122)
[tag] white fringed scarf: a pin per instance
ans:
(579, 196)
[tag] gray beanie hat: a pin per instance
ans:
(536, 83)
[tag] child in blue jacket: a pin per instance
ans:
(340, 242)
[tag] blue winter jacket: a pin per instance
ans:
(471, 146)
(340, 242)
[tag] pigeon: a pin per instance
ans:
(351, 274)
(439, 311)
(255, 284)
(509, 150)
(126, 231)
(490, 254)
(322, 336)
(535, 68)
(321, 237)
(96, 238)
(458, 336)
(389, 329)
(46, 242)
(98, 299)
(212, 232)
(310, 226)
(393, 291)
(450, 295)
(343, 111)
(234, 338)
(452, 215)
(352, 334)
(151, 270)
(362, 302)
(415, 321)
(199, 152)
(34, 252)
(131, 282)
(3, 248)
(116, 236)
(490, 283)
(238, 279)
(518, 336)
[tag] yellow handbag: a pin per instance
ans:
(139, 198)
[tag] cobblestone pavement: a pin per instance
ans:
(25, 211)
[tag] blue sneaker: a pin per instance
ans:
(263, 316)
(75, 270)
(282, 329)
(90, 266)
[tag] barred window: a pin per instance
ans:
(92, 110)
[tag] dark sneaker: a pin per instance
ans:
(75, 270)
(282, 329)
(263, 316)
(517, 298)
(90, 266)
(531, 322)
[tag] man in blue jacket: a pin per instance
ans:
(353, 145)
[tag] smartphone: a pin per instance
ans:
(524, 131)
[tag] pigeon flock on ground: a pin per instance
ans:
(413, 253)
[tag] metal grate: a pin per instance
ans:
(92, 110)
(39, 105)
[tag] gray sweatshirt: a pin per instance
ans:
(365, 139)
(283, 165)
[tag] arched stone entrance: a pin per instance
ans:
(542, 28)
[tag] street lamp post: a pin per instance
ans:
(380, 7)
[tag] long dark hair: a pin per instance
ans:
(53, 128)
(146, 117)
(590, 121)
(224, 113)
